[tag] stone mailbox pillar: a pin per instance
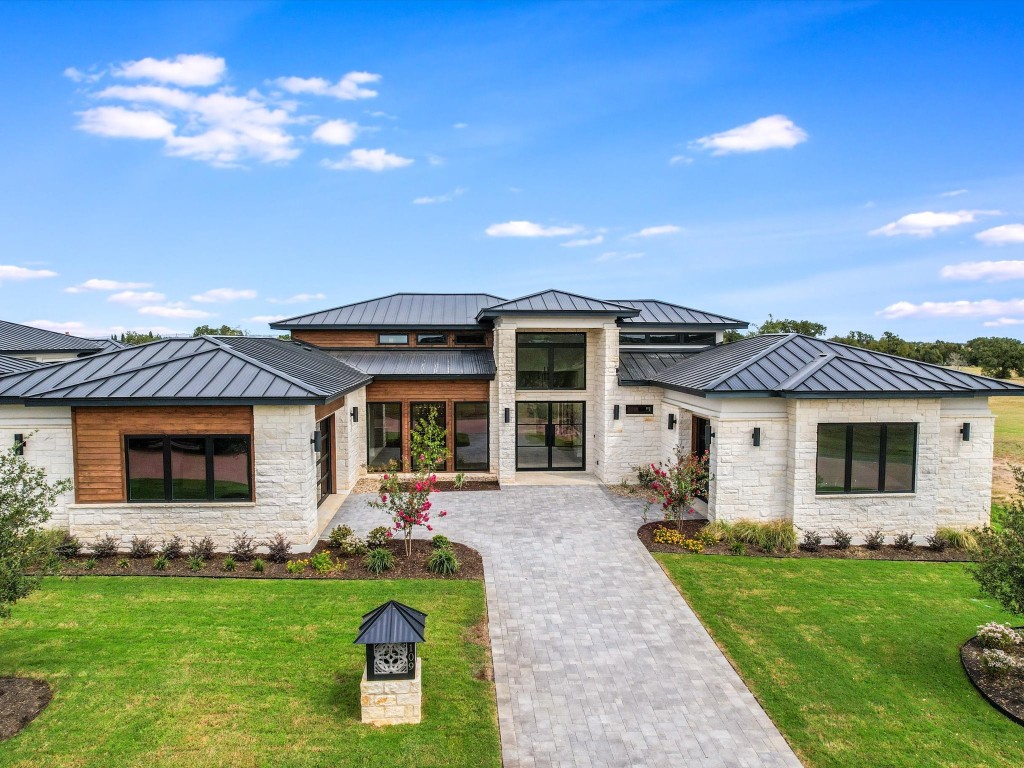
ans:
(391, 688)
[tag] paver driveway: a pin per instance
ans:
(598, 661)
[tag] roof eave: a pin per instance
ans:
(284, 326)
(174, 401)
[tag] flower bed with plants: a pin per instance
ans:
(994, 662)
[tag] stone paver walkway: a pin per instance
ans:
(598, 661)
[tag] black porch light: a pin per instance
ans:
(615, 412)
(756, 437)
(965, 430)
(390, 634)
(671, 421)
(355, 413)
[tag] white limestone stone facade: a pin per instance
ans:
(350, 441)
(284, 494)
(47, 432)
(392, 702)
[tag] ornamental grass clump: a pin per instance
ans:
(958, 538)
(718, 531)
(379, 560)
(160, 563)
(1000, 636)
(442, 562)
(771, 536)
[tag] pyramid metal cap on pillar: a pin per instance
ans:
(390, 633)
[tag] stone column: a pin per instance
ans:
(391, 702)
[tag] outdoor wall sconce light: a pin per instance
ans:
(708, 435)
(391, 687)
(318, 441)
(671, 421)
(19, 444)
(355, 413)
(757, 437)
(615, 413)
(965, 430)
(508, 415)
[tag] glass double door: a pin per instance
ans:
(550, 435)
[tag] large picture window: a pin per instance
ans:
(189, 468)
(421, 412)
(471, 437)
(866, 458)
(551, 361)
(383, 435)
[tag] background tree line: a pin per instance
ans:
(996, 356)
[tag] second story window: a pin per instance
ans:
(551, 361)
(431, 339)
(393, 338)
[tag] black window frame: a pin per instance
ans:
(551, 346)
(414, 420)
(882, 462)
(455, 437)
(635, 409)
(380, 340)
(442, 343)
(695, 339)
(460, 339)
(401, 432)
(168, 479)
(324, 465)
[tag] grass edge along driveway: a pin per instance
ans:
(229, 672)
(857, 663)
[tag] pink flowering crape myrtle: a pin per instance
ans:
(407, 502)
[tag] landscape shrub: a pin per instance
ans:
(379, 560)
(999, 566)
(123, 564)
(201, 548)
(196, 563)
(173, 548)
(278, 548)
(841, 539)
(441, 542)
(259, 565)
(160, 563)
(997, 663)
(68, 546)
(999, 636)
(707, 538)
(321, 562)
(339, 534)
(105, 546)
(378, 537)
(345, 541)
(229, 564)
(460, 481)
(442, 562)
(904, 541)
(243, 547)
(89, 564)
(719, 530)
(874, 540)
(676, 539)
(811, 541)
(937, 542)
(296, 567)
(141, 548)
(959, 538)
(738, 547)
(645, 475)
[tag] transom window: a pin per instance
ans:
(866, 458)
(551, 361)
(189, 467)
(689, 339)
(470, 338)
(431, 339)
(393, 338)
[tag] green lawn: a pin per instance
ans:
(856, 662)
(222, 672)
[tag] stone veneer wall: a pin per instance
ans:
(50, 447)
(285, 494)
(350, 441)
(392, 702)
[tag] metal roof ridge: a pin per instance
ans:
(750, 361)
(269, 368)
(912, 374)
(558, 290)
(802, 374)
(377, 298)
(681, 306)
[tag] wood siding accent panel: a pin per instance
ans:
(98, 438)
(329, 339)
(407, 392)
(323, 411)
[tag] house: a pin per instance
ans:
(30, 343)
(216, 435)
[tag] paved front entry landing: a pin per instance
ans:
(598, 661)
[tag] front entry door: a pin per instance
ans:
(550, 435)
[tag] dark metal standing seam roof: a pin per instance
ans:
(661, 313)
(202, 370)
(421, 363)
(109, 345)
(549, 301)
(399, 310)
(792, 365)
(392, 622)
(310, 364)
(16, 365)
(638, 368)
(15, 337)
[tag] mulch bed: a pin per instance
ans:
(371, 484)
(1004, 693)
(350, 567)
(887, 552)
(21, 699)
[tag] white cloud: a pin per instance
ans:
(982, 308)
(121, 123)
(435, 159)
(98, 284)
(298, 298)
(664, 229)
(617, 256)
(264, 318)
(369, 160)
(1002, 235)
(460, 126)
(78, 76)
(445, 198)
(177, 310)
(11, 272)
(1003, 321)
(529, 229)
(953, 193)
(184, 69)
(583, 241)
(992, 271)
(347, 88)
(680, 160)
(136, 297)
(221, 295)
(927, 223)
(336, 132)
(773, 132)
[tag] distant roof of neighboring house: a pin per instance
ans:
(16, 365)
(662, 313)
(421, 363)
(194, 371)
(794, 365)
(552, 301)
(399, 310)
(109, 345)
(23, 339)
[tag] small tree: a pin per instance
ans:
(26, 497)
(407, 501)
(999, 569)
(677, 485)
(428, 442)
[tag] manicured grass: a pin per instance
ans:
(221, 672)
(856, 662)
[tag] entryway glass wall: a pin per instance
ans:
(550, 435)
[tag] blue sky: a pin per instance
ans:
(171, 164)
